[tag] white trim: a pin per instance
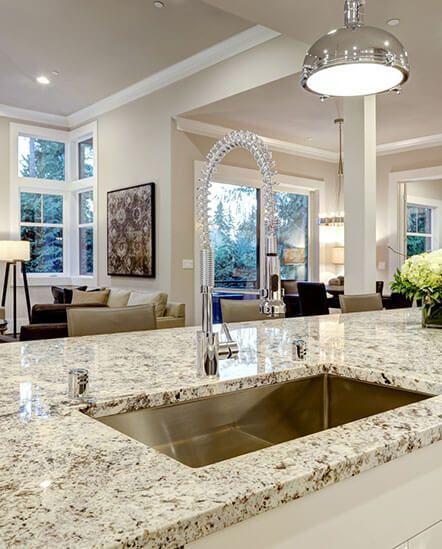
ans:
(214, 131)
(315, 188)
(34, 116)
(413, 144)
(396, 200)
(234, 45)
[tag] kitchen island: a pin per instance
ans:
(66, 480)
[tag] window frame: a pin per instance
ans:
(80, 226)
(69, 188)
(64, 226)
(435, 207)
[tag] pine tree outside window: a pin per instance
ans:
(236, 233)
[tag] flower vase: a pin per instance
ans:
(432, 315)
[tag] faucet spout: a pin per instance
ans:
(272, 304)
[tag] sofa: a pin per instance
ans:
(49, 320)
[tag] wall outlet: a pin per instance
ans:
(187, 263)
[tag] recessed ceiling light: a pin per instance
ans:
(309, 139)
(44, 80)
(55, 73)
(159, 4)
(394, 22)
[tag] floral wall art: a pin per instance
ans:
(131, 231)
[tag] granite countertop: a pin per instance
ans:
(66, 480)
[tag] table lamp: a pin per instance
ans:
(294, 257)
(12, 252)
(338, 255)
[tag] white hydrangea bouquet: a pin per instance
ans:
(421, 278)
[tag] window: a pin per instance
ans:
(235, 222)
(419, 229)
(86, 232)
(292, 210)
(41, 158)
(235, 234)
(86, 158)
(41, 222)
(53, 189)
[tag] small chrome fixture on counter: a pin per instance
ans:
(355, 59)
(78, 383)
(299, 349)
(209, 349)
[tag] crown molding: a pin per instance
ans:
(211, 130)
(234, 45)
(414, 144)
(34, 116)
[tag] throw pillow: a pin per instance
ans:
(58, 294)
(96, 298)
(68, 293)
(158, 299)
(118, 298)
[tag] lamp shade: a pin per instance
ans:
(15, 250)
(294, 256)
(338, 255)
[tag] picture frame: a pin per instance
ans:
(131, 231)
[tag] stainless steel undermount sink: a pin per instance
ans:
(209, 430)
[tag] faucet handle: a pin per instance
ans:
(228, 348)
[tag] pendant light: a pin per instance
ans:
(336, 219)
(355, 60)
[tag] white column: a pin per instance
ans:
(360, 194)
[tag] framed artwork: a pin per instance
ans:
(131, 231)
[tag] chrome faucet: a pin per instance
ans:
(209, 348)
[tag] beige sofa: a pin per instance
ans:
(168, 314)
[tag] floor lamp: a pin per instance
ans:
(13, 252)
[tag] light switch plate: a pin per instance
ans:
(381, 266)
(187, 263)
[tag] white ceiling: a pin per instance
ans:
(283, 110)
(98, 46)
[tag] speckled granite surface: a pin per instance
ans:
(68, 481)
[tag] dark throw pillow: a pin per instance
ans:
(58, 294)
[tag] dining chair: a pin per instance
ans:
(103, 320)
(290, 286)
(312, 299)
(360, 303)
(244, 310)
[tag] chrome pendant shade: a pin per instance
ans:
(355, 60)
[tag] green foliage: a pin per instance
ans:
(45, 160)
(46, 242)
(420, 277)
(46, 249)
(234, 233)
(292, 212)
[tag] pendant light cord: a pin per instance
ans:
(340, 121)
